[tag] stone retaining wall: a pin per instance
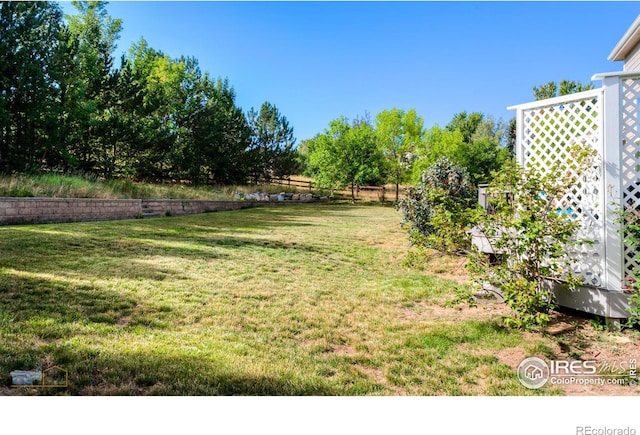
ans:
(172, 207)
(50, 210)
(56, 210)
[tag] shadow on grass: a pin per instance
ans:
(60, 301)
(36, 313)
(73, 249)
(50, 270)
(152, 373)
(49, 300)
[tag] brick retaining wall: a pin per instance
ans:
(55, 210)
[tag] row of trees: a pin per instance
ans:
(64, 105)
(395, 148)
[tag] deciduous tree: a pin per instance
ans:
(398, 134)
(553, 89)
(466, 124)
(345, 155)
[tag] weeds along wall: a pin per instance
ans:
(58, 210)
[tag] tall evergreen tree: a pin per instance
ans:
(29, 35)
(219, 136)
(95, 33)
(159, 79)
(272, 142)
(63, 104)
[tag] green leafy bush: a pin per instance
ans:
(632, 236)
(439, 209)
(530, 234)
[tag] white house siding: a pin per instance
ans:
(632, 61)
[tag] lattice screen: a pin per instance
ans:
(547, 132)
(630, 158)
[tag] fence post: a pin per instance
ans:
(519, 136)
(611, 145)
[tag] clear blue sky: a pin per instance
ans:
(318, 60)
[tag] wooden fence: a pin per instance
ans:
(293, 182)
(366, 193)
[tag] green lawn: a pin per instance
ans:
(304, 300)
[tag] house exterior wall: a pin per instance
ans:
(632, 61)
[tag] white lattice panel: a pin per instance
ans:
(547, 131)
(630, 156)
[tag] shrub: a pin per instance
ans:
(439, 209)
(631, 222)
(530, 235)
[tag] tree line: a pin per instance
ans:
(395, 148)
(65, 106)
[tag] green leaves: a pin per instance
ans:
(29, 84)
(565, 87)
(530, 236)
(398, 134)
(64, 106)
(438, 211)
(271, 153)
(345, 155)
(471, 141)
(631, 223)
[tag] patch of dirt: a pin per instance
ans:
(573, 338)
(378, 377)
(344, 350)
(612, 352)
(513, 356)
(450, 267)
(422, 311)
(124, 321)
(567, 337)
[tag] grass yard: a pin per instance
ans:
(299, 300)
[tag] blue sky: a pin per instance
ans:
(318, 60)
